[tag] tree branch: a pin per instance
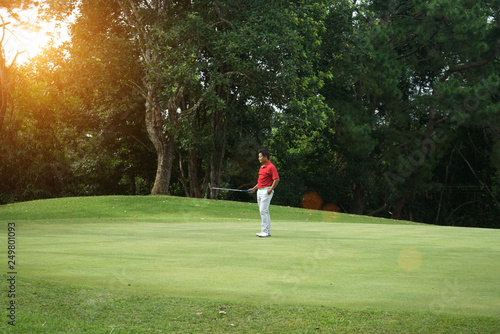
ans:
(469, 66)
(3, 30)
(461, 205)
(138, 88)
(478, 180)
(15, 58)
(410, 53)
(382, 208)
(421, 45)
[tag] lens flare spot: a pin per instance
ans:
(312, 201)
(331, 207)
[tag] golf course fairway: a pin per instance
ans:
(170, 247)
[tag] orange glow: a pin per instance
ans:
(312, 200)
(331, 207)
(29, 39)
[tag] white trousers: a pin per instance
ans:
(264, 200)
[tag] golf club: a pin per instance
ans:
(240, 190)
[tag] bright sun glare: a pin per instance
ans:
(28, 42)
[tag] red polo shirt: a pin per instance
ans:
(267, 174)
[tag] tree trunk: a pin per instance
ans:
(219, 133)
(3, 88)
(162, 139)
(163, 143)
(165, 153)
(396, 215)
(193, 171)
(358, 199)
(133, 185)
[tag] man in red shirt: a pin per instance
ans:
(268, 180)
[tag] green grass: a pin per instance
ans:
(167, 264)
(62, 308)
(164, 209)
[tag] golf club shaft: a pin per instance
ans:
(245, 191)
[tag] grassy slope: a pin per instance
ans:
(165, 209)
(109, 253)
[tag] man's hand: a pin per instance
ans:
(275, 184)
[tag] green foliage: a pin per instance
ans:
(387, 108)
(215, 65)
(76, 127)
(443, 74)
(407, 79)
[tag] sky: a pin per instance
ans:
(29, 40)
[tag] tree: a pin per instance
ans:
(31, 146)
(416, 64)
(400, 74)
(110, 148)
(307, 141)
(77, 123)
(424, 49)
(10, 9)
(201, 60)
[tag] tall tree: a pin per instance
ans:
(401, 73)
(9, 16)
(205, 63)
(145, 17)
(100, 64)
(89, 135)
(417, 67)
(307, 142)
(421, 49)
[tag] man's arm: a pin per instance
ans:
(275, 184)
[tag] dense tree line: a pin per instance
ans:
(385, 108)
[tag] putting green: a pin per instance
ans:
(379, 266)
